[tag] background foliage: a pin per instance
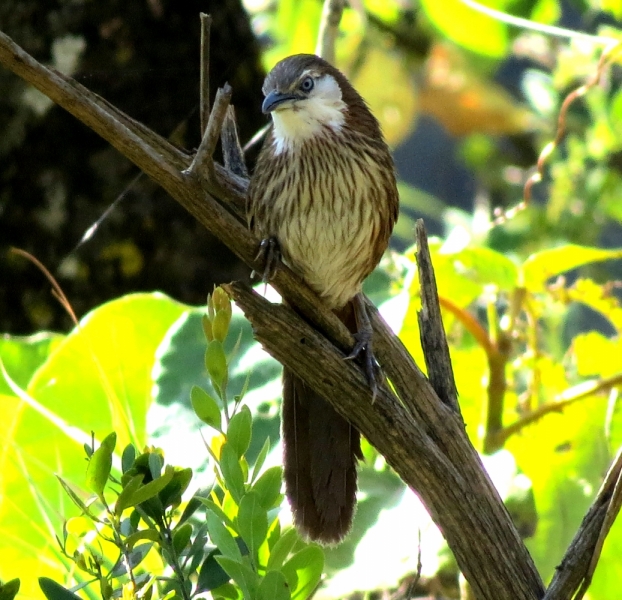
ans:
(531, 306)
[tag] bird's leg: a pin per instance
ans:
(270, 253)
(363, 345)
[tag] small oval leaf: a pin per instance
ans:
(205, 407)
(100, 465)
(216, 364)
(239, 431)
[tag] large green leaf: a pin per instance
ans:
(96, 379)
(22, 356)
(543, 265)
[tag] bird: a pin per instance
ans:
(323, 197)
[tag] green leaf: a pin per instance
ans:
(212, 506)
(543, 265)
(181, 537)
(100, 465)
(282, 548)
(129, 489)
(151, 489)
(22, 356)
(9, 590)
(220, 325)
(205, 407)
(252, 522)
(273, 587)
(564, 456)
(211, 574)
(222, 537)
(303, 571)
(232, 471)
(172, 493)
(216, 364)
(469, 28)
(239, 431)
(193, 504)
(242, 574)
(127, 458)
(155, 463)
(261, 458)
(268, 487)
(228, 591)
(55, 591)
(144, 534)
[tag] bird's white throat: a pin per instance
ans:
(301, 120)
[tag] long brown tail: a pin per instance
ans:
(321, 451)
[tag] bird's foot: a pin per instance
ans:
(363, 346)
(270, 254)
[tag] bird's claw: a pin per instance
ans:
(363, 349)
(269, 253)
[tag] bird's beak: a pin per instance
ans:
(275, 99)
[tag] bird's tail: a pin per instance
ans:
(321, 451)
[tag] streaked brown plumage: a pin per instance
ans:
(324, 188)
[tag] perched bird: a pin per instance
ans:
(324, 194)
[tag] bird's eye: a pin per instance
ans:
(307, 84)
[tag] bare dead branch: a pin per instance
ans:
(204, 110)
(432, 332)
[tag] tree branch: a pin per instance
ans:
(420, 436)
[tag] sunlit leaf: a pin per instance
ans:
(252, 521)
(222, 537)
(543, 265)
(303, 571)
(239, 431)
(282, 548)
(243, 575)
(273, 587)
(100, 465)
(205, 407)
(232, 472)
(268, 487)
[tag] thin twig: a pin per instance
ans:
(57, 291)
(203, 160)
(206, 26)
(329, 29)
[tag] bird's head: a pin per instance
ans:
(306, 97)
